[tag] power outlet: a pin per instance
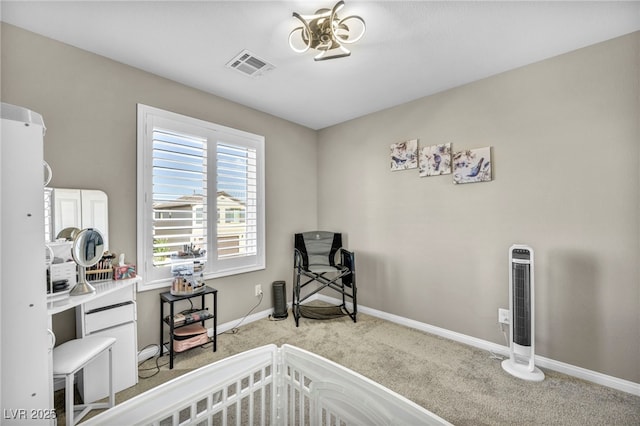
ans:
(503, 316)
(258, 289)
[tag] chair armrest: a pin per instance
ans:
(297, 258)
(347, 259)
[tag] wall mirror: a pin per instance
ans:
(87, 250)
(75, 208)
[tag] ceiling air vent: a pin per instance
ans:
(249, 64)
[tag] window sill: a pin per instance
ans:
(166, 282)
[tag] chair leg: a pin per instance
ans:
(295, 303)
(355, 301)
(112, 398)
(69, 399)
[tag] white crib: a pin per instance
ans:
(269, 386)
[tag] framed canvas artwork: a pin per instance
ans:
(404, 155)
(473, 165)
(435, 160)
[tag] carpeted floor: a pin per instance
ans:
(462, 384)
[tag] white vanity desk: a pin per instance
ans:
(111, 311)
(102, 289)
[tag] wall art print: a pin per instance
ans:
(404, 155)
(435, 160)
(473, 165)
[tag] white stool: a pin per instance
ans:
(71, 357)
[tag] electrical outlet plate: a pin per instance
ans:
(258, 289)
(503, 316)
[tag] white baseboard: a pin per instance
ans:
(222, 328)
(561, 367)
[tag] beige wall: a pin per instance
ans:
(566, 136)
(89, 106)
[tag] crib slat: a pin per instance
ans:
(303, 389)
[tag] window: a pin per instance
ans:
(201, 191)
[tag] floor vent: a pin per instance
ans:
(249, 64)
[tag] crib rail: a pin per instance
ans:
(322, 392)
(269, 386)
(234, 391)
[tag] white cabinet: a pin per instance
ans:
(112, 315)
(67, 209)
(25, 374)
(95, 212)
(80, 208)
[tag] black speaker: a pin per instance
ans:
(279, 299)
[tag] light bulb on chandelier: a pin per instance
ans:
(326, 32)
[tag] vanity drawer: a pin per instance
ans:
(125, 294)
(109, 316)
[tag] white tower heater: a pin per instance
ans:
(521, 361)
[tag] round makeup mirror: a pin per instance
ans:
(87, 250)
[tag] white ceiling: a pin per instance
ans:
(411, 49)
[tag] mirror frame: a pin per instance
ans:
(87, 250)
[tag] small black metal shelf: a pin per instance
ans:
(171, 299)
(177, 325)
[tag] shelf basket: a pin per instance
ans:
(101, 271)
(99, 274)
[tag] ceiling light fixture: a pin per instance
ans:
(326, 32)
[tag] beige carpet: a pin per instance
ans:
(462, 384)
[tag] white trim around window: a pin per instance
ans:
(193, 176)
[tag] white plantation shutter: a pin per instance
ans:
(200, 186)
(239, 209)
(179, 176)
(236, 184)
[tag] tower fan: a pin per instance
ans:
(522, 307)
